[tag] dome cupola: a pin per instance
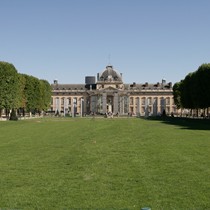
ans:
(110, 75)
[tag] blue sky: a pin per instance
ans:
(145, 40)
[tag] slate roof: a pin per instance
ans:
(110, 74)
(68, 86)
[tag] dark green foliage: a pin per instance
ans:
(187, 92)
(46, 92)
(203, 83)
(21, 91)
(22, 98)
(177, 94)
(193, 91)
(37, 94)
(31, 92)
(9, 85)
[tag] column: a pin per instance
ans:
(57, 105)
(171, 105)
(104, 103)
(146, 107)
(151, 105)
(127, 104)
(85, 105)
(155, 106)
(158, 105)
(115, 111)
(93, 104)
(54, 104)
(122, 105)
(134, 105)
(65, 107)
(81, 107)
(138, 106)
(163, 105)
(99, 104)
(73, 101)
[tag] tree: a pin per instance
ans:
(203, 81)
(186, 94)
(46, 92)
(31, 93)
(22, 97)
(37, 94)
(22, 92)
(177, 94)
(9, 86)
(194, 89)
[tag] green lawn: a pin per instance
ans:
(102, 163)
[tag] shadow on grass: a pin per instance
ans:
(185, 123)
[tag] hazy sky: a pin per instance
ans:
(145, 40)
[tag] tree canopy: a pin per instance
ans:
(193, 91)
(21, 91)
(9, 84)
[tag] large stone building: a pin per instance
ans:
(110, 95)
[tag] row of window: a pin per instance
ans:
(142, 101)
(150, 100)
(68, 101)
(149, 110)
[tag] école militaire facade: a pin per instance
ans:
(108, 94)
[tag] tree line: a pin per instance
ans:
(193, 92)
(22, 93)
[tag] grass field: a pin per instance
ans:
(105, 164)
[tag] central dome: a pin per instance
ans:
(110, 75)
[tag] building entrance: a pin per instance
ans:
(109, 104)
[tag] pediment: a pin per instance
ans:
(110, 88)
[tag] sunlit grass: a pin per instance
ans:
(65, 163)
